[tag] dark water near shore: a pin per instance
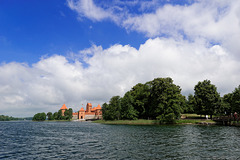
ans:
(86, 140)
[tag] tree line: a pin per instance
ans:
(10, 118)
(56, 116)
(7, 118)
(161, 99)
(207, 101)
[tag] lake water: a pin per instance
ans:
(86, 140)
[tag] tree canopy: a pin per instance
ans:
(207, 99)
(9, 118)
(39, 117)
(157, 99)
(112, 111)
(56, 116)
(190, 104)
(235, 100)
(165, 101)
(50, 116)
(231, 101)
(161, 99)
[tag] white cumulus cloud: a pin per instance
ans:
(46, 85)
(87, 8)
(217, 22)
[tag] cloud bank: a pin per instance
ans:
(217, 22)
(46, 85)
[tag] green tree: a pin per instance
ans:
(106, 112)
(67, 114)
(207, 98)
(224, 107)
(50, 116)
(6, 118)
(59, 115)
(165, 101)
(55, 115)
(190, 103)
(39, 117)
(112, 111)
(115, 105)
(9, 118)
(140, 94)
(127, 109)
(70, 113)
(235, 100)
(157, 99)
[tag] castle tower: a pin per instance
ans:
(63, 109)
(98, 110)
(88, 107)
(81, 114)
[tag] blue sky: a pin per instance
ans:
(33, 28)
(79, 51)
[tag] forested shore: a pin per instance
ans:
(10, 118)
(161, 100)
(57, 116)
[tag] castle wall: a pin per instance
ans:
(75, 117)
(81, 115)
(87, 117)
(98, 117)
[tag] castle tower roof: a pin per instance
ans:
(89, 104)
(81, 110)
(63, 107)
(99, 107)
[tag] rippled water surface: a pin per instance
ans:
(86, 140)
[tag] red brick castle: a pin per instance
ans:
(89, 113)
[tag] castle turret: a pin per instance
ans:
(98, 110)
(81, 114)
(99, 107)
(88, 107)
(63, 109)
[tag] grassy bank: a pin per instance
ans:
(154, 122)
(188, 119)
(53, 121)
(195, 121)
(194, 116)
(129, 122)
